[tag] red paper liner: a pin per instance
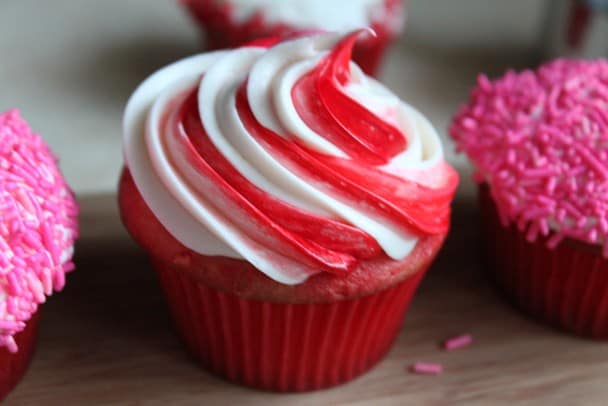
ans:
(284, 347)
(220, 32)
(14, 366)
(566, 287)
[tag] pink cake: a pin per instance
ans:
(539, 142)
(38, 227)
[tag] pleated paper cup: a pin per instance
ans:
(566, 287)
(284, 347)
(14, 365)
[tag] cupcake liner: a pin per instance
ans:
(284, 347)
(566, 287)
(14, 366)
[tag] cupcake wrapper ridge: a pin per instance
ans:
(284, 347)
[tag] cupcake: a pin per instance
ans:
(290, 206)
(38, 226)
(539, 143)
(230, 23)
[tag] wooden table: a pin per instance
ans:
(107, 339)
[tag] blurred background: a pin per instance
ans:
(69, 66)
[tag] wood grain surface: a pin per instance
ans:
(107, 339)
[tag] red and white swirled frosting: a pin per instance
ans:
(288, 156)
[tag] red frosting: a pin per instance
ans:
(321, 242)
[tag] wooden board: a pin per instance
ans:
(107, 339)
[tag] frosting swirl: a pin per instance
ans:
(286, 155)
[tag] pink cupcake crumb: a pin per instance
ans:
(458, 342)
(426, 368)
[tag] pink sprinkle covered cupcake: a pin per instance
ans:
(539, 142)
(290, 205)
(38, 226)
(230, 23)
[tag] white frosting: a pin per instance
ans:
(189, 206)
(332, 15)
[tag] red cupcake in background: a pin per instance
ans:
(288, 237)
(38, 226)
(539, 142)
(231, 23)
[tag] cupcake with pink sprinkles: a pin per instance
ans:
(539, 143)
(38, 226)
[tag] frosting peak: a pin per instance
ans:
(287, 156)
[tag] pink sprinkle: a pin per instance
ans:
(554, 240)
(603, 226)
(68, 267)
(11, 345)
(13, 284)
(469, 123)
(9, 324)
(532, 232)
(458, 342)
(3, 263)
(31, 239)
(484, 83)
(47, 282)
(24, 199)
(544, 227)
(592, 236)
(426, 368)
(59, 279)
